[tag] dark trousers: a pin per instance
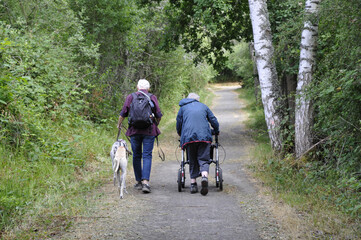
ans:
(198, 156)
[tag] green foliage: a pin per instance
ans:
(176, 79)
(315, 182)
(129, 50)
(316, 189)
(337, 87)
(42, 81)
(119, 29)
(39, 79)
(205, 27)
(240, 62)
(286, 24)
(60, 168)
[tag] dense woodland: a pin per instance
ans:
(67, 65)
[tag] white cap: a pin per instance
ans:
(143, 84)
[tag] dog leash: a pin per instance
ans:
(124, 134)
(161, 154)
(160, 151)
(119, 130)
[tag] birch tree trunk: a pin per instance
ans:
(304, 110)
(270, 88)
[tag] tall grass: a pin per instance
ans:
(36, 191)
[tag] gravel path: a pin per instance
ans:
(237, 212)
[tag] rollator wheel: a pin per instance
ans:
(217, 178)
(220, 177)
(183, 179)
(179, 180)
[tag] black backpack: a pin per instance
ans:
(140, 113)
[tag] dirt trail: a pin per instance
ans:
(235, 213)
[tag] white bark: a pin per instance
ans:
(270, 88)
(304, 111)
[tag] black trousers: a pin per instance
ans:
(198, 156)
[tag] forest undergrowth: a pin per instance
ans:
(327, 203)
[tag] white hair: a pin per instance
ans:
(193, 96)
(143, 84)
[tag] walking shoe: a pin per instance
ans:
(194, 188)
(138, 186)
(146, 188)
(204, 189)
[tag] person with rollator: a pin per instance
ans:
(193, 121)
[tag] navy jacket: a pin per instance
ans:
(193, 122)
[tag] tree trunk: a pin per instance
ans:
(304, 110)
(291, 82)
(270, 88)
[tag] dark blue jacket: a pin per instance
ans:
(193, 122)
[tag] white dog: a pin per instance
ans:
(119, 156)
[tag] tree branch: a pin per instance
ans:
(312, 147)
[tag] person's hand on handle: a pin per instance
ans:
(214, 132)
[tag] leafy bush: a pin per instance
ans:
(40, 75)
(337, 88)
(174, 81)
(240, 62)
